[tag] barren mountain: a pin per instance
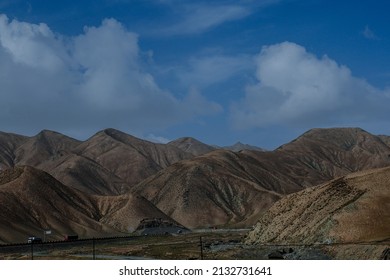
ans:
(108, 163)
(192, 146)
(351, 209)
(32, 200)
(225, 188)
(126, 157)
(218, 188)
(385, 139)
(336, 151)
(240, 146)
(8, 145)
(43, 148)
(87, 175)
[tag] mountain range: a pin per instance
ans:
(109, 182)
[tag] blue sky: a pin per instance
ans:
(259, 72)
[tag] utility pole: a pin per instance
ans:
(201, 247)
(32, 250)
(93, 248)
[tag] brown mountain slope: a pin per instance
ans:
(128, 158)
(86, 175)
(336, 151)
(240, 146)
(192, 146)
(32, 200)
(385, 139)
(353, 208)
(108, 163)
(223, 187)
(219, 188)
(46, 146)
(8, 145)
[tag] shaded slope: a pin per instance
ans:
(385, 139)
(32, 200)
(354, 208)
(8, 145)
(87, 175)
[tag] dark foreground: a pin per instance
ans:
(222, 245)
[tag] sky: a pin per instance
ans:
(260, 72)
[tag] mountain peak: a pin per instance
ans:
(239, 146)
(343, 138)
(191, 145)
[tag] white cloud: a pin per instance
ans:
(369, 34)
(34, 45)
(91, 81)
(157, 139)
(202, 17)
(212, 69)
(295, 88)
(194, 17)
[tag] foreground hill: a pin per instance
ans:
(32, 200)
(351, 209)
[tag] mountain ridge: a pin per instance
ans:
(217, 188)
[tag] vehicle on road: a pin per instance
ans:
(34, 239)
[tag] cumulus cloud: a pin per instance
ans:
(94, 80)
(296, 88)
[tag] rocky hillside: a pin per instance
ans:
(225, 188)
(337, 151)
(218, 188)
(108, 163)
(32, 200)
(112, 171)
(350, 209)
(9, 142)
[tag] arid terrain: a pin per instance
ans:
(326, 186)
